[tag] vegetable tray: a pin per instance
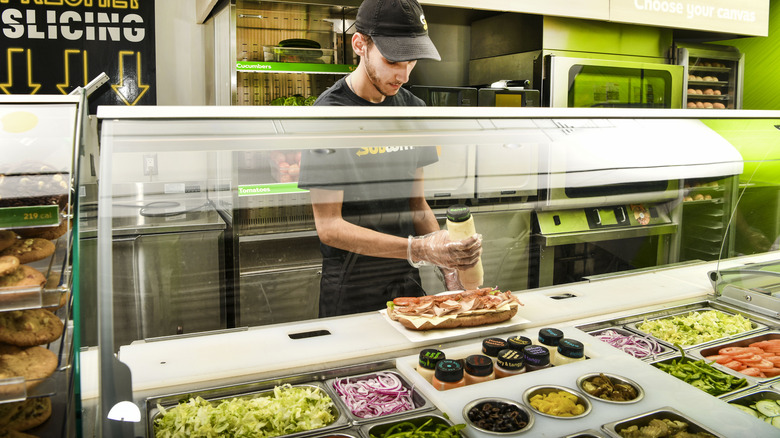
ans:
(713, 379)
(418, 400)
(431, 425)
(762, 402)
(613, 428)
(667, 318)
(744, 344)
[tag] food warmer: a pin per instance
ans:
(202, 144)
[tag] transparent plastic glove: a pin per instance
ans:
(437, 249)
(451, 279)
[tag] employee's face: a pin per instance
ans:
(386, 76)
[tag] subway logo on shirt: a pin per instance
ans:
(382, 150)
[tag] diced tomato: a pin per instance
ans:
(719, 358)
(752, 371)
(731, 351)
(734, 365)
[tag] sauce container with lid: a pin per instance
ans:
(549, 338)
(478, 368)
(448, 375)
(536, 357)
(491, 346)
(426, 364)
(509, 363)
(569, 350)
(518, 342)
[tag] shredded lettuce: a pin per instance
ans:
(696, 327)
(290, 409)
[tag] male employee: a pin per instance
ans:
(369, 202)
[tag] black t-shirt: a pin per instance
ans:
(377, 184)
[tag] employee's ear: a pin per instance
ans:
(358, 44)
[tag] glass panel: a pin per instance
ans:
(618, 87)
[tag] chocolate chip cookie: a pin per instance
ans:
(30, 327)
(30, 250)
(25, 415)
(48, 233)
(23, 276)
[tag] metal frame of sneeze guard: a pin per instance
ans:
(752, 286)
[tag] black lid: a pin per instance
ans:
(458, 213)
(510, 359)
(448, 370)
(536, 355)
(479, 365)
(491, 346)
(429, 357)
(571, 348)
(518, 342)
(550, 336)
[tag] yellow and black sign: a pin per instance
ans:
(54, 46)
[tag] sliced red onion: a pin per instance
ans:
(635, 345)
(375, 396)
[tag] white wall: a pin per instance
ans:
(180, 43)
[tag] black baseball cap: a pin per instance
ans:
(398, 28)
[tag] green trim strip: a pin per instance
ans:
(269, 189)
(43, 215)
(290, 67)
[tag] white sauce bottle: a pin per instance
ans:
(460, 225)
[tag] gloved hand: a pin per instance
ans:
(451, 279)
(437, 249)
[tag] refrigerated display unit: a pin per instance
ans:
(713, 75)
(570, 160)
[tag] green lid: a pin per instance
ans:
(458, 213)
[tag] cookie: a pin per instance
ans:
(27, 414)
(7, 238)
(23, 276)
(48, 233)
(30, 250)
(32, 363)
(6, 433)
(8, 264)
(27, 328)
(34, 183)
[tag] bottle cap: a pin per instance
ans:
(429, 357)
(458, 213)
(491, 346)
(550, 336)
(479, 365)
(571, 348)
(448, 370)
(510, 359)
(518, 342)
(536, 355)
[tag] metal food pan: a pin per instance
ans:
(711, 350)
(263, 389)
(379, 429)
(590, 433)
(419, 401)
(751, 382)
(756, 326)
(614, 428)
(747, 398)
(666, 349)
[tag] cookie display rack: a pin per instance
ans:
(45, 133)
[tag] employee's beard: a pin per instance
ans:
(373, 78)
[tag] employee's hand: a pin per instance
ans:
(451, 279)
(437, 249)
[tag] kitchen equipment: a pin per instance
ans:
(446, 96)
(713, 75)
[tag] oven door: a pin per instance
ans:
(589, 83)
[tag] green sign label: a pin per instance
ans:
(13, 217)
(269, 189)
(296, 67)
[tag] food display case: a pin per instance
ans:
(586, 168)
(713, 75)
(43, 138)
